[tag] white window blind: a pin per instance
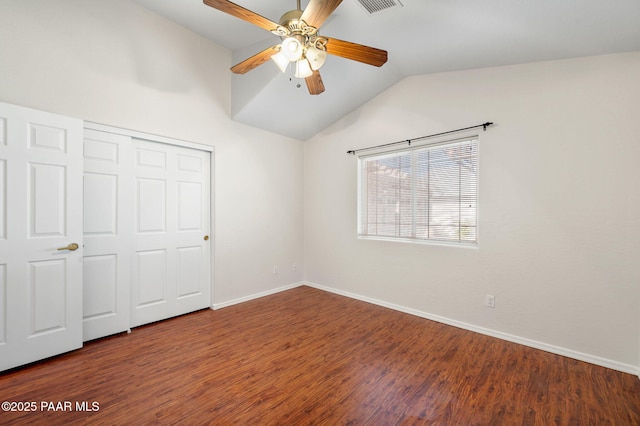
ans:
(422, 193)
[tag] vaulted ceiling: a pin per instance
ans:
(421, 36)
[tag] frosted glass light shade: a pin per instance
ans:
(281, 61)
(303, 69)
(316, 57)
(291, 49)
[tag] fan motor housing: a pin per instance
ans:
(292, 15)
(291, 21)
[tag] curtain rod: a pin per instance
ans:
(483, 125)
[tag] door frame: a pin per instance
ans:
(134, 134)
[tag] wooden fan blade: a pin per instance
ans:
(356, 52)
(255, 60)
(317, 11)
(242, 13)
(314, 83)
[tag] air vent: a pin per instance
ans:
(374, 6)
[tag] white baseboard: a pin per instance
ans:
(603, 362)
(255, 296)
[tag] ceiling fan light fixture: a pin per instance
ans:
(281, 61)
(301, 45)
(303, 69)
(292, 48)
(316, 57)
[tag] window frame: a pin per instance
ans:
(432, 144)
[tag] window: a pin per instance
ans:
(425, 193)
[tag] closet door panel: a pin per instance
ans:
(172, 262)
(108, 233)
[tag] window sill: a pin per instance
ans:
(441, 243)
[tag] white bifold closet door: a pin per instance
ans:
(172, 258)
(40, 235)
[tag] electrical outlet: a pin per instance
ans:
(294, 267)
(490, 301)
(275, 269)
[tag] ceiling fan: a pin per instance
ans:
(301, 44)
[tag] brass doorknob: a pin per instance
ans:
(206, 238)
(71, 247)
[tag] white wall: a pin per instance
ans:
(559, 206)
(115, 63)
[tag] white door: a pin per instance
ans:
(108, 233)
(40, 235)
(171, 263)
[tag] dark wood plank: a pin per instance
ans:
(307, 357)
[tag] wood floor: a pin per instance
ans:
(306, 357)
